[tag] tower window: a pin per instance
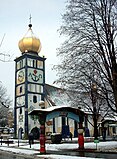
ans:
(39, 64)
(18, 65)
(20, 110)
(21, 89)
(30, 62)
(24, 62)
(21, 63)
(35, 63)
(34, 99)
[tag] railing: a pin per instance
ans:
(6, 138)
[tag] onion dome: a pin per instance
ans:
(29, 43)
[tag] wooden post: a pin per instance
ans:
(80, 137)
(42, 139)
(42, 133)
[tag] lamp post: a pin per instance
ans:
(94, 100)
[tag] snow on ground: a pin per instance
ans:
(89, 145)
(66, 157)
(24, 148)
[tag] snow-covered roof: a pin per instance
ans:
(110, 119)
(55, 95)
(49, 109)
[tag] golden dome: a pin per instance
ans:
(29, 43)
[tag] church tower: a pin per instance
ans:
(29, 81)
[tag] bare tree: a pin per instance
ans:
(88, 55)
(5, 104)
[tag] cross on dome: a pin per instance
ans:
(30, 25)
(30, 43)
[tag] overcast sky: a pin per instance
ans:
(14, 20)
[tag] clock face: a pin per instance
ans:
(35, 75)
(20, 101)
(20, 76)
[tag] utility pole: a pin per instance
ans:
(3, 54)
(3, 103)
(2, 40)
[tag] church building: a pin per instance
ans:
(31, 90)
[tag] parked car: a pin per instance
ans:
(11, 130)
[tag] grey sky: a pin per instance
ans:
(14, 20)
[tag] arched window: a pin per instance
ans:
(34, 99)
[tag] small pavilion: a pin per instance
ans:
(57, 111)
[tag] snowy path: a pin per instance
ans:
(33, 151)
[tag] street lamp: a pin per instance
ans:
(94, 100)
